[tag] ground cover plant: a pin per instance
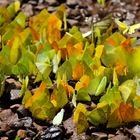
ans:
(98, 71)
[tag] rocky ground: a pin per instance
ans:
(16, 120)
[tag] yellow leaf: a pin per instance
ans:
(122, 26)
(115, 78)
(99, 51)
(132, 28)
(125, 28)
(17, 6)
(83, 83)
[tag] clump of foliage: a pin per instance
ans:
(101, 63)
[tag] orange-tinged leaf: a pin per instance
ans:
(124, 114)
(40, 46)
(83, 83)
(127, 45)
(74, 50)
(55, 46)
(53, 29)
(121, 68)
(39, 91)
(36, 95)
(77, 71)
(69, 89)
(111, 41)
(35, 34)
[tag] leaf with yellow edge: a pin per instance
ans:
(124, 114)
(100, 114)
(80, 118)
(79, 108)
(83, 83)
(39, 104)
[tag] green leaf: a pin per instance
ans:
(17, 137)
(61, 97)
(43, 110)
(112, 96)
(82, 95)
(15, 53)
(65, 68)
(101, 86)
(21, 19)
(99, 115)
(93, 85)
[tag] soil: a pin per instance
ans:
(16, 120)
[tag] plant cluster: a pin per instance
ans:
(72, 67)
